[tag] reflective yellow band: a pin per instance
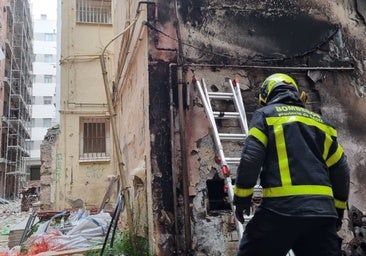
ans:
(259, 135)
(243, 192)
(282, 155)
(297, 190)
(340, 204)
(327, 143)
(306, 120)
(335, 157)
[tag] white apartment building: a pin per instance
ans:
(44, 86)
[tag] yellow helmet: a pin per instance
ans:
(272, 82)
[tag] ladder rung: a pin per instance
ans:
(232, 160)
(220, 95)
(226, 115)
(231, 136)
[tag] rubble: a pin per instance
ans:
(10, 215)
(74, 231)
(27, 231)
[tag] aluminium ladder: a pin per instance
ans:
(239, 114)
(234, 95)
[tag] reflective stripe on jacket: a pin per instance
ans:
(303, 169)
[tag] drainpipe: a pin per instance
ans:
(183, 145)
(182, 125)
(173, 158)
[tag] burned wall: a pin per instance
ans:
(285, 34)
(320, 43)
(161, 163)
(238, 32)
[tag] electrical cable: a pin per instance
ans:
(114, 221)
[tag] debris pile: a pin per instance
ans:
(10, 214)
(64, 231)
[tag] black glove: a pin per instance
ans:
(340, 213)
(242, 205)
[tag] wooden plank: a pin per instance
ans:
(107, 195)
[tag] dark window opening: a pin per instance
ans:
(94, 138)
(35, 173)
(217, 196)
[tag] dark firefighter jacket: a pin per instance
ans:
(303, 169)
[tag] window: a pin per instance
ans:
(29, 144)
(94, 138)
(93, 11)
(35, 173)
(48, 79)
(47, 100)
(48, 58)
(49, 37)
(47, 122)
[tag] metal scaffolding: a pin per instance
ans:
(17, 98)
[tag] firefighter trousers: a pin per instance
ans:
(271, 234)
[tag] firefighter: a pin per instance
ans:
(295, 155)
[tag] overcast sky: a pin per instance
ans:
(48, 7)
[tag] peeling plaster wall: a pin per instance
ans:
(131, 103)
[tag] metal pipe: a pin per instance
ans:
(186, 199)
(86, 104)
(174, 176)
(104, 112)
(270, 67)
(187, 212)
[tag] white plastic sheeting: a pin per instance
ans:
(85, 231)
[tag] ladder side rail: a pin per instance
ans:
(230, 191)
(206, 95)
(217, 138)
(208, 110)
(238, 100)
